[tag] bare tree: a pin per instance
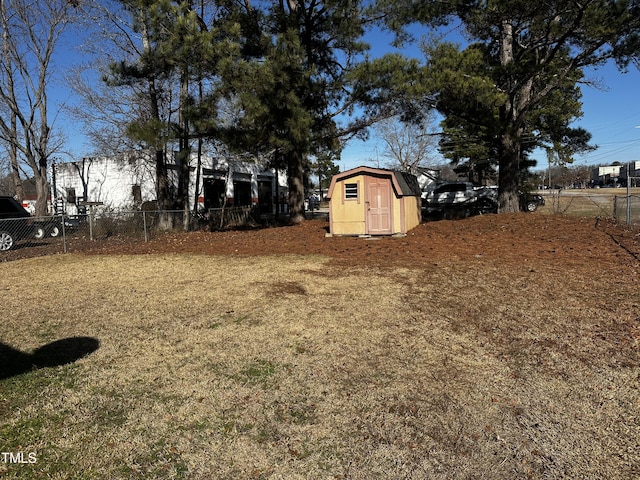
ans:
(31, 31)
(8, 68)
(102, 110)
(143, 98)
(408, 146)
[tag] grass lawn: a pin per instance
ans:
(291, 367)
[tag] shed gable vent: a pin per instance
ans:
(351, 190)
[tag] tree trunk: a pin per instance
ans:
(82, 170)
(509, 174)
(162, 181)
(196, 188)
(165, 220)
(296, 187)
(162, 177)
(183, 185)
(15, 172)
(511, 119)
(163, 197)
(185, 152)
(13, 127)
(42, 191)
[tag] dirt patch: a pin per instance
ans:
(516, 238)
(509, 238)
(290, 288)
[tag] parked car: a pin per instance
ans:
(531, 201)
(53, 226)
(487, 201)
(450, 198)
(15, 223)
(462, 199)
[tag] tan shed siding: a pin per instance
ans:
(348, 228)
(351, 216)
(397, 214)
(348, 215)
(412, 212)
(407, 214)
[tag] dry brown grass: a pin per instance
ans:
(602, 202)
(290, 367)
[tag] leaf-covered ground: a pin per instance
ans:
(518, 238)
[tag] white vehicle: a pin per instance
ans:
(458, 196)
(462, 199)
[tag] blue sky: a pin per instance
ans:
(611, 115)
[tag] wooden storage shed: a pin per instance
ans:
(373, 201)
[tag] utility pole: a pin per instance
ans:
(628, 195)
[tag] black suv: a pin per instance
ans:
(15, 223)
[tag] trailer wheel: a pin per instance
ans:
(6, 241)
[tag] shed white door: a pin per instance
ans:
(378, 204)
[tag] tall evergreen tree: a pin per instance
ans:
(471, 104)
(146, 73)
(183, 45)
(296, 83)
(531, 52)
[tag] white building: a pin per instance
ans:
(427, 179)
(632, 170)
(605, 175)
(127, 181)
(616, 174)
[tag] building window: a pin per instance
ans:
(71, 195)
(136, 192)
(351, 191)
(215, 191)
(242, 193)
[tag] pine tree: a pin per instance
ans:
(532, 54)
(295, 81)
(183, 47)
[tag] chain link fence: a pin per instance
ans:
(63, 232)
(627, 210)
(605, 205)
(16, 231)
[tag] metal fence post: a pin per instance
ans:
(628, 196)
(144, 224)
(64, 234)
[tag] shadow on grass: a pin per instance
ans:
(61, 352)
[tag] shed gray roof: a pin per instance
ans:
(408, 183)
(404, 184)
